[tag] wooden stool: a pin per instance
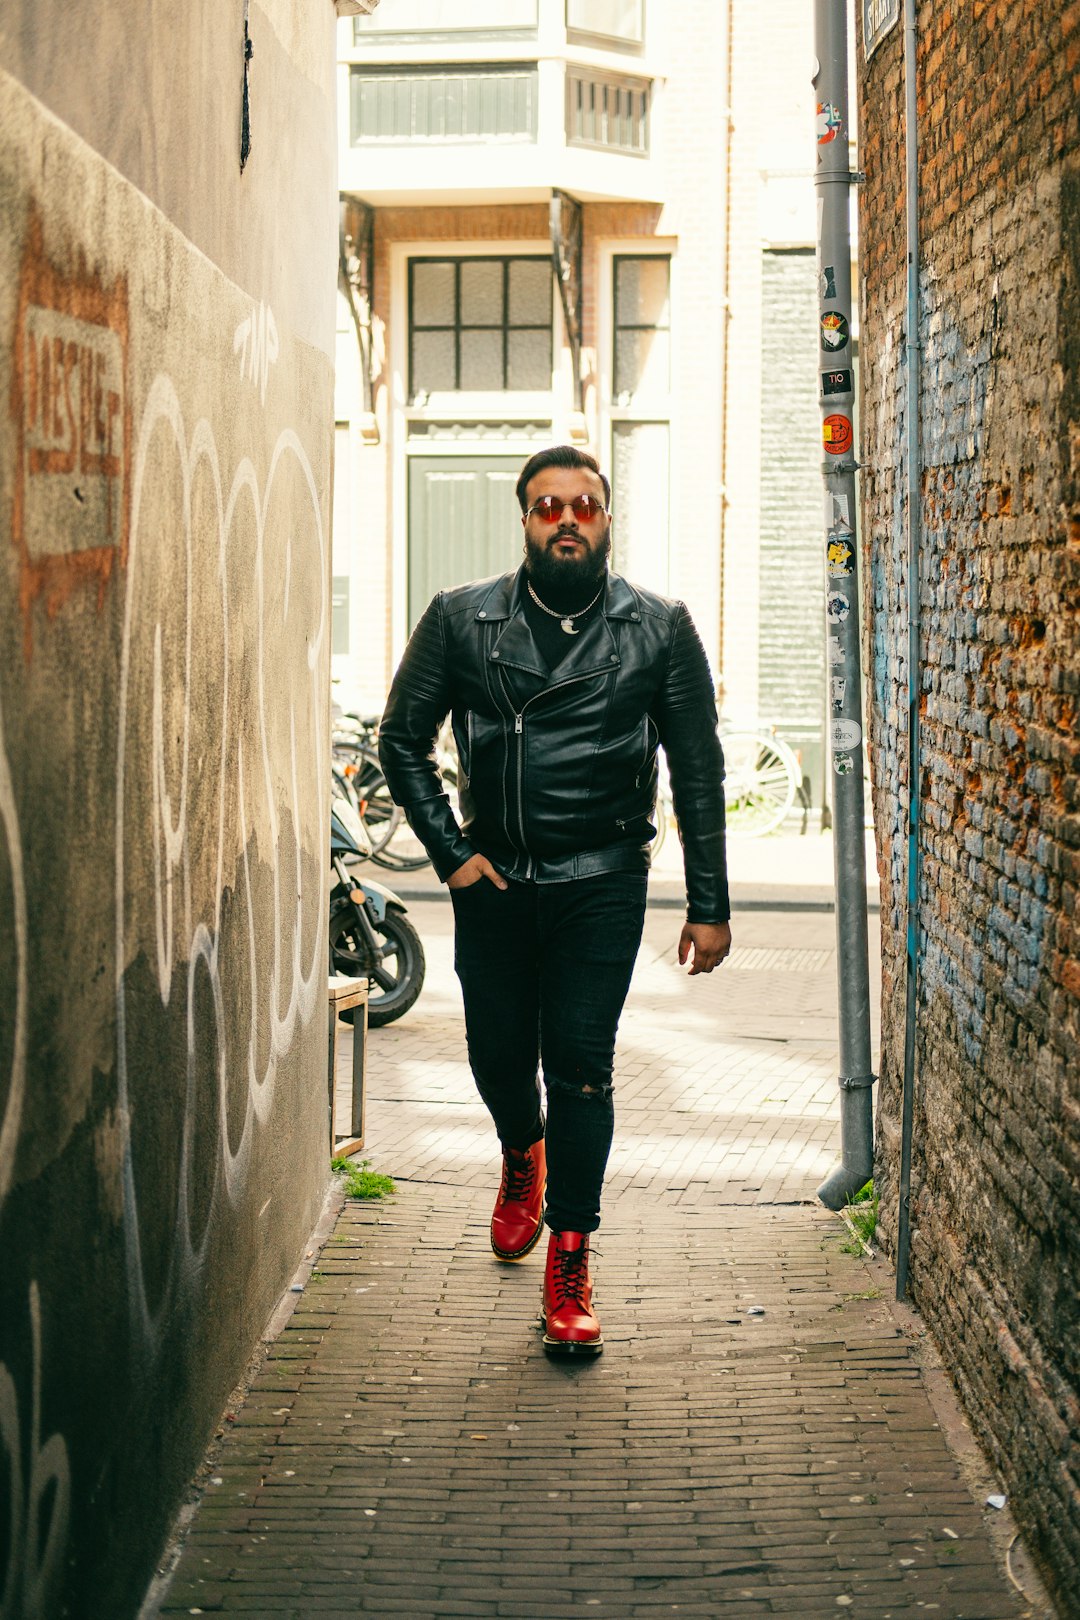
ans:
(346, 993)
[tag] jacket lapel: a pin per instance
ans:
(594, 651)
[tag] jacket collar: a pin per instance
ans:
(595, 651)
(504, 599)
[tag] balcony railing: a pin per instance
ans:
(606, 111)
(493, 102)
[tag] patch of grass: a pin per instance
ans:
(361, 1181)
(847, 1299)
(862, 1212)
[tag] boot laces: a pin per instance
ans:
(518, 1177)
(571, 1274)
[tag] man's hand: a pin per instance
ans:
(710, 943)
(476, 868)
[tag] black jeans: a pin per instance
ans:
(544, 970)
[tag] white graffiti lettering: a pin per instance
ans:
(256, 341)
(39, 1507)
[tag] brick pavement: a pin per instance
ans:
(726, 1089)
(407, 1449)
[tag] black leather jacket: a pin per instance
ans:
(558, 771)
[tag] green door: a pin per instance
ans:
(464, 523)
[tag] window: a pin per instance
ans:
(443, 103)
(613, 19)
(609, 112)
(446, 17)
(479, 324)
(642, 327)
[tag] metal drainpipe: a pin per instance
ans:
(914, 535)
(725, 362)
(836, 381)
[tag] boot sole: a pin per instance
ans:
(519, 1254)
(570, 1347)
(573, 1347)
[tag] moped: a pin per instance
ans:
(370, 935)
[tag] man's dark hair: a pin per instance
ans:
(560, 455)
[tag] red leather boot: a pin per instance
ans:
(570, 1327)
(518, 1219)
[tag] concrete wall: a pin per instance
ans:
(996, 1171)
(167, 377)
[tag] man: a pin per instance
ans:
(562, 678)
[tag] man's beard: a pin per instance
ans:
(566, 583)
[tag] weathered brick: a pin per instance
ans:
(994, 1182)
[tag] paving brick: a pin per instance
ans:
(709, 1460)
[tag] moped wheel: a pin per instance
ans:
(396, 981)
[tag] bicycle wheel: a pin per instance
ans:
(408, 853)
(762, 781)
(382, 817)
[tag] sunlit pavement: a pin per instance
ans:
(758, 1437)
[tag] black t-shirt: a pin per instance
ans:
(552, 640)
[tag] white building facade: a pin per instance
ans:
(585, 221)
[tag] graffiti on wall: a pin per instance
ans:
(221, 766)
(72, 424)
(255, 779)
(257, 343)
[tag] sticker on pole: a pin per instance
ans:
(837, 607)
(837, 688)
(843, 764)
(836, 652)
(840, 557)
(829, 120)
(835, 382)
(845, 733)
(836, 435)
(834, 331)
(827, 283)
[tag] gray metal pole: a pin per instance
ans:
(837, 396)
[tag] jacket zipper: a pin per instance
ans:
(519, 731)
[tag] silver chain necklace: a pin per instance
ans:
(566, 620)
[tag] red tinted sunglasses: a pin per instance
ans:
(549, 508)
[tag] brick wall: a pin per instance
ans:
(996, 1167)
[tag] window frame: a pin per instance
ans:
(638, 398)
(627, 41)
(504, 326)
(374, 29)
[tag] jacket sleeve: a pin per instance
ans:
(685, 715)
(419, 702)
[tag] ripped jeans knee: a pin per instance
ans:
(577, 1083)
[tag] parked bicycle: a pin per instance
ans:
(359, 773)
(763, 780)
(763, 783)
